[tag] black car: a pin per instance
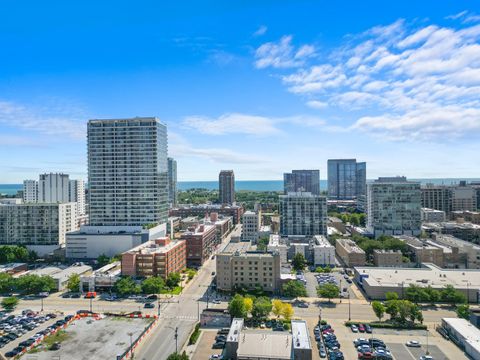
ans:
(55, 346)
(149, 305)
(11, 336)
(218, 345)
(11, 353)
(368, 329)
(26, 343)
(68, 317)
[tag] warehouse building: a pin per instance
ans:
(464, 334)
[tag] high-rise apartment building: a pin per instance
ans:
(53, 188)
(30, 191)
(302, 181)
(347, 179)
(438, 197)
(464, 198)
(250, 226)
(302, 213)
(76, 194)
(394, 207)
(226, 183)
(172, 182)
(127, 172)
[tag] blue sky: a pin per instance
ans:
(261, 87)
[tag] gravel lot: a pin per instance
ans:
(94, 339)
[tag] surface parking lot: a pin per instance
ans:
(402, 352)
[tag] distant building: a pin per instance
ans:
(201, 242)
(432, 215)
(350, 253)
(437, 197)
(223, 225)
(466, 216)
(423, 252)
(40, 227)
(160, 257)
(462, 230)
(76, 194)
(302, 213)
(53, 188)
(226, 183)
(464, 198)
(235, 211)
(464, 254)
(393, 207)
(346, 179)
(30, 191)
(172, 182)
(60, 275)
(387, 258)
(102, 279)
(250, 226)
(302, 181)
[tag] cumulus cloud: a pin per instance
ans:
(282, 54)
(406, 82)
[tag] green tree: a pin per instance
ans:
(173, 279)
(73, 283)
(6, 283)
(9, 303)
(248, 301)
(236, 306)
(103, 260)
(378, 309)
(416, 294)
(294, 289)
(452, 296)
(262, 243)
(328, 291)
(153, 285)
(34, 284)
(463, 311)
(432, 294)
(176, 356)
(392, 308)
(298, 262)
(126, 286)
(262, 306)
(391, 296)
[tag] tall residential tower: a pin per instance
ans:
(172, 182)
(347, 179)
(302, 180)
(226, 183)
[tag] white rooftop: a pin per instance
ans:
(301, 340)
(265, 345)
(235, 328)
(468, 331)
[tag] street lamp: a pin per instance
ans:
(131, 343)
(427, 352)
(91, 305)
(349, 309)
(41, 299)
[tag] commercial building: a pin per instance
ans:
(223, 225)
(462, 230)
(238, 267)
(466, 216)
(59, 274)
(102, 279)
(53, 188)
(432, 215)
(226, 183)
(278, 245)
(387, 258)
(40, 227)
(323, 252)
(235, 211)
(464, 254)
(463, 334)
(76, 194)
(13, 268)
(302, 346)
(250, 226)
(302, 181)
(350, 253)
(30, 191)
(423, 252)
(201, 242)
(347, 179)
(393, 207)
(172, 182)
(376, 281)
(218, 318)
(302, 213)
(160, 257)
(438, 197)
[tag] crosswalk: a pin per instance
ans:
(181, 317)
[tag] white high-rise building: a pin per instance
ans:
(394, 207)
(53, 188)
(172, 182)
(302, 213)
(76, 194)
(250, 226)
(30, 191)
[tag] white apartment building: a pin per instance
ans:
(30, 191)
(432, 215)
(76, 194)
(40, 227)
(393, 207)
(276, 245)
(323, 252)
(250, 226)
(302, 213)
(53, 188)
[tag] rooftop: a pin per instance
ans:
(350, 246)
(242, 246)
(265, 345)
(151, 247)
(468, 331)
(235, 329)
(301, 340)
(321, 241)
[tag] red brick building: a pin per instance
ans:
(201, 243)
(234, 211)
(155, 258)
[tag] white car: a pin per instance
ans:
(426, 357)
(413, 343)
(216, 357)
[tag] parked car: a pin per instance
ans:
(426, 357)
(413, 343)
(149, 305)
(361, 328)
(322, 352)
(218, 345)
(368, 329)
(55, 346)
(354, 328)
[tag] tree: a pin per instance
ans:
(177, 356)
(328, 291)
(153, 285)
(287, 311)
(103, 260)
(294, 289)
(262, 306)
(452, 296)
(432, 294)
(391, 296)
(277, 306)
(463, 311)
(6, 283)
(248, 303)
(416, 294)
(298, 262)
(9, 303)
(34, 284)
(392, 308)
(173, 279)
(13, 253)
(236, 307)
(378, 309)
(126, 286)
(73, 283)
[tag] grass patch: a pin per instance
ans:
(195, 335)
(48, 341)
(389, 325)
(177, 290)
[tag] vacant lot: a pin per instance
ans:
(89, 339)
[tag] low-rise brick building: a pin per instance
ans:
(201, 242)
(350, 253)
(387, 258)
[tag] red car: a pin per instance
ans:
(328, 331)
(361, 328)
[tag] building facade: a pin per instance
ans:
(302, 213)
(387, 258)
(127, 172)
(53, 188)
(30, 191)
(201, 242)
(235, 211)
(464, 198)
(350, 253)
(226, 183)
(393, 207)
(172, 182)
(432, 215)
(437, 197)
(302, 181)
(76, 194)
(346, 179)
(250, 226)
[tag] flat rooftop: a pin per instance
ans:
(150, 247)
(263, 344)
(301, 340)
(467, 329)
(242, 247)
(429, 275)
(350, 246)
(235, 329)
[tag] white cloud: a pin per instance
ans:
(282, 54)
(406, 82)
(262, 30)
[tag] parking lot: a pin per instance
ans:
(334, 277)
(204, 348)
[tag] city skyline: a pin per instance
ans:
(241, 87)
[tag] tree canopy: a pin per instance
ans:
(9, 303)
(153, 285)
(236, 306)
(262, 306)
(73, 283)
(294, 289)
(328, 291)
(173, 279)
(299, 262)
(126, 286)
(14, 253)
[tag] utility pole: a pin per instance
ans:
(42, 304)
(349, 309)
(427, 352)
(91, 304)
(131, 344)
(176, 339)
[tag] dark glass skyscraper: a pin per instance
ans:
(347, 179)
(226, 183)
(302, 181)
